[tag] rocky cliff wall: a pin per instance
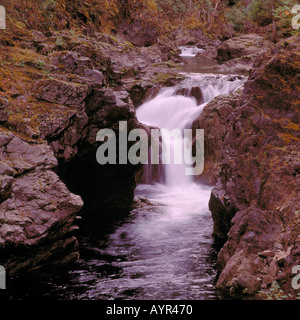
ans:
(255, 203)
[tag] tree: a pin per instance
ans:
(273, 22)
(216, 7)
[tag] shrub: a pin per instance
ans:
(236, 17)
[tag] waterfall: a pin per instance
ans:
(168, 110)
(189, 51)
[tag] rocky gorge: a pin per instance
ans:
(255, 203)
(252, 158)
(58, 89)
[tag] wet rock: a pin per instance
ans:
(194, 92)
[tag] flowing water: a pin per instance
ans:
(164, 248)
(189, 51)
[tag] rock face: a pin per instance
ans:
(242, 46)
(239, 53)
(66, 88)
(139, 33)
(37, 211)
(255, 204)
(62, 92)
(215, 120)
(109, 187)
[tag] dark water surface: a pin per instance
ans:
(162, 250)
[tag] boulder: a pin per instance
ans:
(37, 211)
(244, 45)
(241, 65)
(194, 92)
(208, 53)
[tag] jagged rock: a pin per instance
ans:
(36, 208)
(73, 62)
(103, 187)
(259, 176)
(242, 46)
(214, 119)
(61, 92)
(70, 61)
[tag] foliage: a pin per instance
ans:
(276, 293)
(165, 15)
(260, 11)
(283, 16)
(236, 17)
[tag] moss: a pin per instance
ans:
(129, 44)
(287, 138)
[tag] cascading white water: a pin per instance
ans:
(170, 111)
(189, 51)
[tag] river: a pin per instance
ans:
(164, 249)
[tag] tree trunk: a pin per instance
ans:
(216, 7)
(274, 25)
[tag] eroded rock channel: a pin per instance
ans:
(148, 238)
